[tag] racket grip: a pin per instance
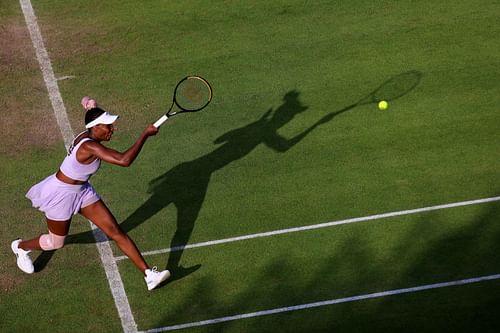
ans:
(160, 121)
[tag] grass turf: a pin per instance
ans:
(229, 171)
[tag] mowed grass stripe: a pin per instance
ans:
(318, 226)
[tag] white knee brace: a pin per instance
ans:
(51, 241)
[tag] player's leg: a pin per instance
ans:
(99, 214)
(53, 240)
(102, 217)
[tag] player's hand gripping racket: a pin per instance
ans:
(192, 94)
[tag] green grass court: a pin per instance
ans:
(289, 141)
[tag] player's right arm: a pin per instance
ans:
(91, 150)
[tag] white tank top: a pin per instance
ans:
(76, 170)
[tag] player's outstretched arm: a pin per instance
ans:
(112, 156)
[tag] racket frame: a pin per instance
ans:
(169, 114)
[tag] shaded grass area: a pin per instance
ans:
(341, 262)
(286, 142)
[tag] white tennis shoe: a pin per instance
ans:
(153, 278)
(23, 259)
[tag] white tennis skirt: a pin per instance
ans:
(60, 201)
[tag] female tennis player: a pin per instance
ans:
(68, 192)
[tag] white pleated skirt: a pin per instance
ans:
(60, 201)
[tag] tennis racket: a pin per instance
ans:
(192, 93)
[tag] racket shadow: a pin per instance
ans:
(394, 88)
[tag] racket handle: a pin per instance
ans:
(160, 121)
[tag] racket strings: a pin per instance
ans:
(193, 94)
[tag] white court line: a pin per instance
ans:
(325, 303)
(105, 252)
(318, 226)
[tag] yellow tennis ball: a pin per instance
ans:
(383, 105)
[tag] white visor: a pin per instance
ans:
(104, 118)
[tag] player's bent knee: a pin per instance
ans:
(51, 241)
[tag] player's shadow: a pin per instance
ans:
(42, 260)
(186, 184)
